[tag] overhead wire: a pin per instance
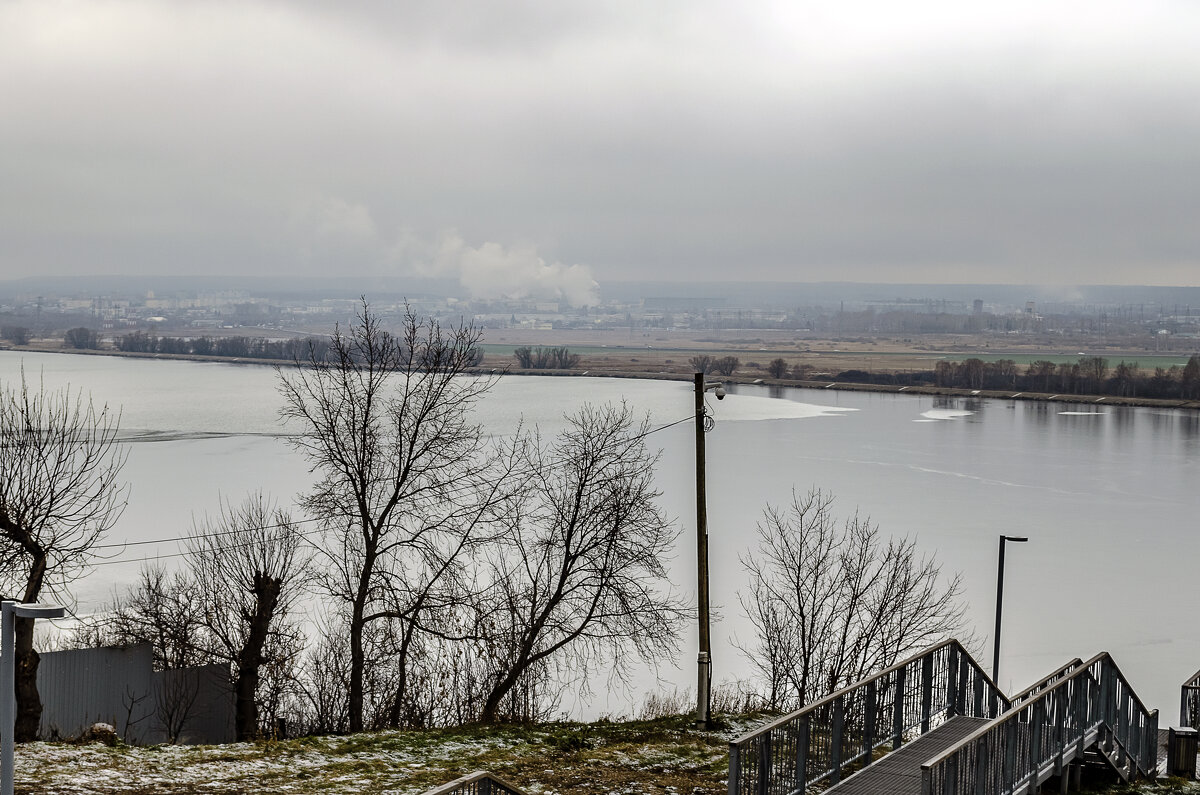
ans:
(221, 533)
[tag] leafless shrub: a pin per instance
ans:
(834, 602)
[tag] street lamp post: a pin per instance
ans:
(999, 604)
(9, 612)
(704, 657)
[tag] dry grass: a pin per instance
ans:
(665, 755)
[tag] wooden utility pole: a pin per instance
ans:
(704, 658)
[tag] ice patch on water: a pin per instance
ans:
(1083, 413)
(752, 407)
(933, 415)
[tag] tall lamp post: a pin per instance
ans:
(704, 658)
(9, 612)
(999, 604)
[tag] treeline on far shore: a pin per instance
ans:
(1090, 375)
(234, 347)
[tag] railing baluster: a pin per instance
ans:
(952, 684)
(978, 713)
(802, 755)
(735, 769)
(764, 764)
(835, 759)
(926, 692)
(1037, 720)
(981, 767)
(898, 709)
(868, 744)
(1010, 754)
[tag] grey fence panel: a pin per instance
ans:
(117, 685)
(85, 686)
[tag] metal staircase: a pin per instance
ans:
(951, 732)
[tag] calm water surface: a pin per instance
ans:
(1107, 495)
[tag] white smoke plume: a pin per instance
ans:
(493, 271)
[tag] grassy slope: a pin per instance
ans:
(636, 757)
(659, 756)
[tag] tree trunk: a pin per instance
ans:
(266, 597)
(29, 705)
(491, 705)
(357, 664)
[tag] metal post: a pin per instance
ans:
(704, 657)
(999, 604)
(8, 696)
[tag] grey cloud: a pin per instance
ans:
(665, 140)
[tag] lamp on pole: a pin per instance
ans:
(9, 612)
(704, 423)
(999, 604)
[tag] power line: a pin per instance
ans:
(202, 535)
(279, 525)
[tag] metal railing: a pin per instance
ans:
(1091, 705)
(1189, 702)
(1043, 684)
(478, 783)
(839, 734)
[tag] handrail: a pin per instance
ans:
(1038, 737)
(839, 733)
(1046, 681)
(1189, 702)
(480, 782)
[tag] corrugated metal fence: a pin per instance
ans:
(119, 686)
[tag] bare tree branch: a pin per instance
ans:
(59, 493)
(832, 604)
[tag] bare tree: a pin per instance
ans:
(578, 578)
(1094, 370)
(160, 609)
(777, 368)
(1190, 379)
(323, 706)
(175, 695)
(248, 568)
(726, 365)
(702, 363)
(832, 603)
(1041, 373)
(403, 479)
(59, 494)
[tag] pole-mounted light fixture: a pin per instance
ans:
(999, 603)
(9, 612)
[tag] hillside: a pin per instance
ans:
(643, 757)
(658, 756)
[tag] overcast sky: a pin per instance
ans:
(538, 146)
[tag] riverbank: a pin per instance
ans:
(604, 366)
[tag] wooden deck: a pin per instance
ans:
(899, 773)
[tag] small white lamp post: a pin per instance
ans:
(9, 611)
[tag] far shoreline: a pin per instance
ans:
(584, 371)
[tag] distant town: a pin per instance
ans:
(1145, 319)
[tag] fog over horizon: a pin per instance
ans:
(539, 149)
